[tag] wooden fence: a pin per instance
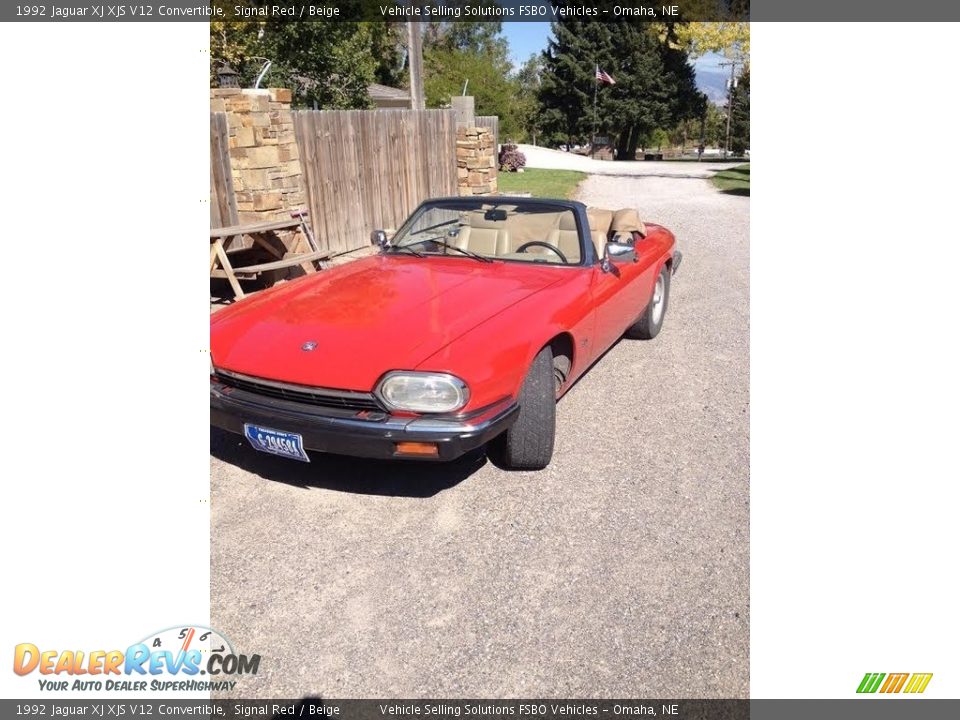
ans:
(365, 170)
(223, 201)
(492, 122)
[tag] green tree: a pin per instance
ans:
(568, 82)
(657, 139)
(710, 129)
(687, 133)
(471, 53)
(715, 126)
(474, 36)
(527, 105)
(684, 99)
(643, 98)
(488, 80)
(327, 64)
(388, 42)
(232, 43)
(654, 83)
(740, 115)
(723, 37)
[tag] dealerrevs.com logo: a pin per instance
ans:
(183, 659)
(894, 683)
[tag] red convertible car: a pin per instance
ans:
(466, 327)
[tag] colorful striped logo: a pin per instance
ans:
(894, 682)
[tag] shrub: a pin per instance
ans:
(510, 158)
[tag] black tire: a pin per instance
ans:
(528, 443)
(649, 323)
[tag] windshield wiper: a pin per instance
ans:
(406, 248)
(434, 227)
(468, 253)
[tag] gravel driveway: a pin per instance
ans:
(541, 157)
(620, 571)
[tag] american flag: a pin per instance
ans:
(604, 78)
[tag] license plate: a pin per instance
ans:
(276, 442)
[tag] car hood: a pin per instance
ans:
(381, 313)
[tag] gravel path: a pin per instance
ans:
(539, 157)
(620, 571)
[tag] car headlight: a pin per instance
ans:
(423, 392)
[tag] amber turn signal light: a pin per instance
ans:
(417, 448)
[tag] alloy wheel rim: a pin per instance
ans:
(658, 300)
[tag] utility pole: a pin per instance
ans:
(415, 55)
(733, 67)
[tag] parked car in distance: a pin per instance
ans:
(462, 331)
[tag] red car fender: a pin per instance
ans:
(493, 358)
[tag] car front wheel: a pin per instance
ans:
(649, 323)
(528, 443)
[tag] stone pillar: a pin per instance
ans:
(476, 161)
(264, 156)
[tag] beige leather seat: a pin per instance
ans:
(485, 237)
(599, 220)
(626, 222)
(525, 227)
(566, 238)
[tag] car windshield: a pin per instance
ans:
(522, 232)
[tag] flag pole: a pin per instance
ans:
(596, 71)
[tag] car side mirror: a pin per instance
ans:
(378, 238)
(616, 252)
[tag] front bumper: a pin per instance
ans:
(344, 432)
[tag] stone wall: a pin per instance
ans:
(264, 156)
(476, 161)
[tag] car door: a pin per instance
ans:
(623, 292)
(649, 256)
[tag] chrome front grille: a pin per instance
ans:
(320, 397)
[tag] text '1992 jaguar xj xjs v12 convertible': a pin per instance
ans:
(463, 331)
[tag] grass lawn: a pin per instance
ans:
(540, 183)
(735, 181)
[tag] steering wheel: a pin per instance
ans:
(548, 246)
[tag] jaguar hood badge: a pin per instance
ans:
(308, 346)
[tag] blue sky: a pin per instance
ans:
(527, 38)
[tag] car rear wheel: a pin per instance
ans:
(528, 443)
(650, 322)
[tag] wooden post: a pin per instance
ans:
(463, 106)
(415, 51)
